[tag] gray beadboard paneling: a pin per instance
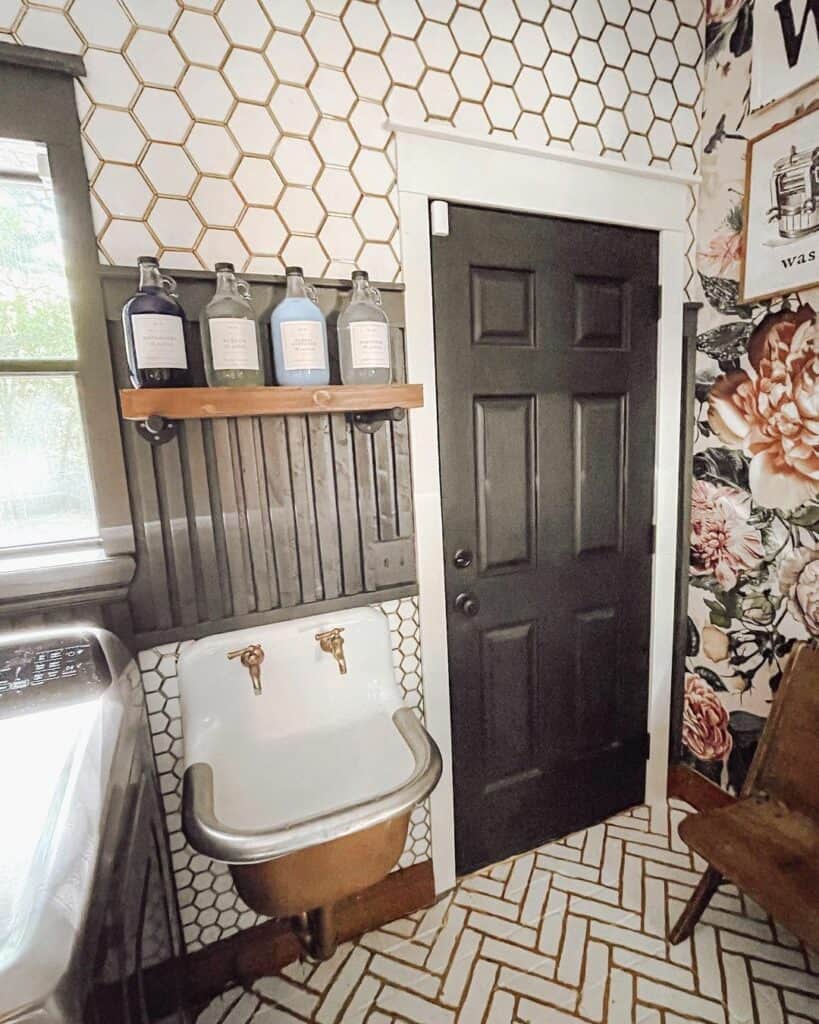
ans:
(238, 518)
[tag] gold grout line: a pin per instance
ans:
(478, 956)
(348, 1002)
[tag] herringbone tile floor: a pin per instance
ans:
(573, 931)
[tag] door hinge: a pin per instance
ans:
(658, 312)
(439, 217)
(652, 538)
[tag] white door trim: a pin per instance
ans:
(435, 163)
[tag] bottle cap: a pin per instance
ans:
(294, 270)
(149, 260)
(224, 266)
(360, 275)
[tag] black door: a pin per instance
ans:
(546, 334)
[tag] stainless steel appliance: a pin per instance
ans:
(87, 904)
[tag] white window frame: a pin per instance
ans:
(439, 163)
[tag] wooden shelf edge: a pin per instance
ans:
(215, 403)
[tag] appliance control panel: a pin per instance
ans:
(38, 673)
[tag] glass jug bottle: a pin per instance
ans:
(364, 336)
(230, 334)
(154, 327)
(299, 335)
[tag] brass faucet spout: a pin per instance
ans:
(251, 657)
(332, 642)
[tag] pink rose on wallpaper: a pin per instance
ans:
(721, 10)
(771, 412)
(722, 542)
(722, 256)
(705, 721)
(799, 580)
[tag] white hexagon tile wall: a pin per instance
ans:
(210, 907)
(252, 130)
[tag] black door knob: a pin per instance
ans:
(462, 558)
(468, 604)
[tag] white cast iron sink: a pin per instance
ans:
(315, 756)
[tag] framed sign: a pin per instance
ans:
(785, 48)
(781, 251)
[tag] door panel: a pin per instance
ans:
(502, 307)
(546, 361)
(507, 714)
(596, 676)
(599, 465)
(505, 482)
(602, 312)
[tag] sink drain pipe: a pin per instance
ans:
(316, 930)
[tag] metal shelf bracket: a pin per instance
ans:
(157, 430)
(371, 421)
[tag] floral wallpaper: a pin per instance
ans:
(754, 574)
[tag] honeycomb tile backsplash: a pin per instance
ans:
(210, 907)
(253, 130)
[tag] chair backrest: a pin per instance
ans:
(786, 763)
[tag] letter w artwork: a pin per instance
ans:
(790, 37)
(785, 48)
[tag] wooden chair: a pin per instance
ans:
(767, 842)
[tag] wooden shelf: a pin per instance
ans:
(215, 403)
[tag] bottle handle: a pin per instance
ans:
(311, 293)
(170, 286)
(375, 293)
(243, 288)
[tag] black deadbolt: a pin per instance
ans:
(462, 558)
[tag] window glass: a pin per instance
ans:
(45, 486)
(35, 319)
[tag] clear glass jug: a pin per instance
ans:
(364, 336)
(230, 334)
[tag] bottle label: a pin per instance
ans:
(303, 345)
(233, 343)
(370, 344)
(159, 341)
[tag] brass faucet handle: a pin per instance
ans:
(251, 657)
(253, 654)
(329, 635)
(332, 642)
